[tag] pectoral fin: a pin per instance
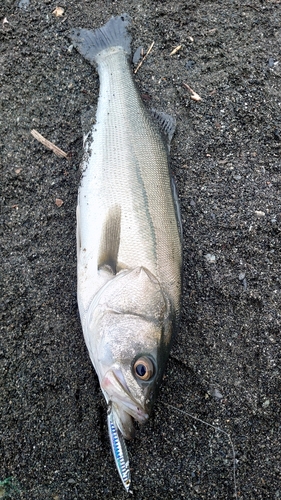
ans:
(110, 240)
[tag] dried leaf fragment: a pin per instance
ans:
(194, 95)
(58, 12)
(58, 202)
(176, 49)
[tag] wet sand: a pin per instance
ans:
(225, 364)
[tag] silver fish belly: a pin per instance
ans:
(128, 235)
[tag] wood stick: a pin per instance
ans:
(144, 57)
(59, 152)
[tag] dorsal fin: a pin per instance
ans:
(110, 240)
(177, 207)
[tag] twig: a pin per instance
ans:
(176, 49)
(194, 95)
(48, 144)
(251, 7)
(144, 57)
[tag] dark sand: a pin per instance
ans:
(225, 365)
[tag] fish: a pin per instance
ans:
(129, 238)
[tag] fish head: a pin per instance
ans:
(130, 383)
(129, 332)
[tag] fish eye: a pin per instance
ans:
(144, 368)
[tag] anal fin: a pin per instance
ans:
(166, 124)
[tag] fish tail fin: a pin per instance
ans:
(113, 34)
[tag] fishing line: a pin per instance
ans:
(217, 429)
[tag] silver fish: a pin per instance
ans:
(128, 235)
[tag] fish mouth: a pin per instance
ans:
(122, 403)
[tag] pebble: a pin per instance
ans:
(190, 64)
(217, 394)
(271, 62)
(23, 4)
(266, 403)
(210, 258)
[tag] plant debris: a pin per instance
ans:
(176, 49)
(194, 95)
(144, 57)
(58, 12)
(48, 144)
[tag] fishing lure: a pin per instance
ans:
(119, 451)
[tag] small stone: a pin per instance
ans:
(217, 394)
(259, 213)
(58, 12)
(58, 202)
(241, 276)
(23, 4)
(237, 177)
(190, 64)
(211, 259)
(271, 62)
